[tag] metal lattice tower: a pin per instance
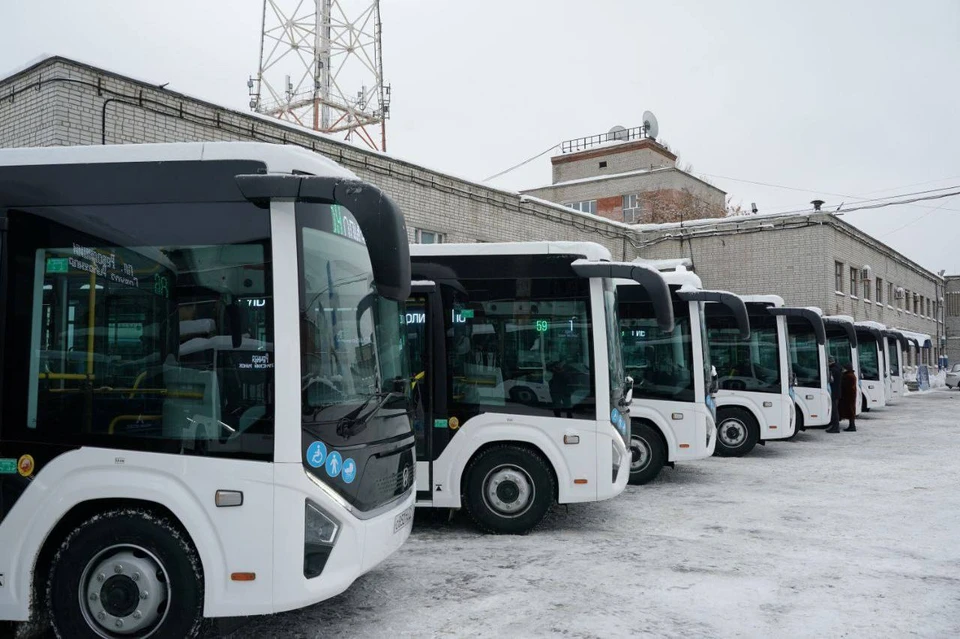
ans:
(321, 66)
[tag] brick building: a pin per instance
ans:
(58, 101)
(952, 317)
(626, 176)
(815, 259)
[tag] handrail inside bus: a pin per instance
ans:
(731, 300)
(381, 222)
(648, 277)
(815, 319)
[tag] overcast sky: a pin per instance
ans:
(837, 98)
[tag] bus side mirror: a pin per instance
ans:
(714, 380)
(627, 393)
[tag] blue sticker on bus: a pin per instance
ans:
(316, 454)
(334, 464)
(349, 472)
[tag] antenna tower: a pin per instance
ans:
(321, 66)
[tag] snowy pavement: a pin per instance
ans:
(852, 535)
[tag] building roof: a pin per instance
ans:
(690, 229)
(328, 139)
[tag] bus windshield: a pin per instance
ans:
(869, 360)
(804, 353)
(660, 363)
(745, 365)
(351, 338)
(840, 349)
(893, 353)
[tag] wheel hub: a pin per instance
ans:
(733, 432)
(508, 491)
(639, 454)
(124, 590)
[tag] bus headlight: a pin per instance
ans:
(617, 459)
(319, 536)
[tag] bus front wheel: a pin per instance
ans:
(126, 572)
(647, 454)
(508, 489)
(737, 432)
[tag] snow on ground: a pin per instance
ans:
(853, 534)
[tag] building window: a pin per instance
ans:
(429, 237)
(854, 288)
(879, 298)
(632, 209)
(916, 299)
(584, 206)
(866, 287)
(838, 276)
(929, 309)
(890, 292)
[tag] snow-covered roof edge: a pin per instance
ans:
(52, 58)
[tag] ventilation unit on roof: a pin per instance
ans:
(898, 294)
(865, 273)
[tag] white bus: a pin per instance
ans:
(201, 367)
(673, 412)
(842, 345)
(521, 394)
(870, 358)
(755, 400)
(808, 362)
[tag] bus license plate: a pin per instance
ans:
(400, 521)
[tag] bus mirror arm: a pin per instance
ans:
(233, 318)
(380, 220)
(732, 301)
(648, 277)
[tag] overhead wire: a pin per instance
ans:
(525, 162)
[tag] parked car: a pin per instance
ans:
(953, 377)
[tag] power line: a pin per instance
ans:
(881, 205)
(914, 221)
(517, 166)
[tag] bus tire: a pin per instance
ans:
(647, 453)
(129, 570)
(799, 425)
(737, 432)
(508, 489)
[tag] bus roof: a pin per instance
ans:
(589, 250)
(277, 157)
(772, 300)
(678, 275)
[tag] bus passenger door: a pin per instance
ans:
(425, 350)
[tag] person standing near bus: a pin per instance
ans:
(836, 375)
(849, 398)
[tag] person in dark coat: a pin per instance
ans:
(836, 374)
(849, 396)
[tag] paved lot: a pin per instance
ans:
(849, 535)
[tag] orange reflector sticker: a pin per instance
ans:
(684, 445)
(812, 415)
(243, 576)
(579, 481)
(772, 427)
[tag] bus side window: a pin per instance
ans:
(126, 341)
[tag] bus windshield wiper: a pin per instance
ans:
(352, 423)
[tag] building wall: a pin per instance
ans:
(666, 189)
(952, 318)
(619, 157)
(796, 261)
(80, 105)
(785, 263)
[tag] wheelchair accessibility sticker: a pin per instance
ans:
(316, 454)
